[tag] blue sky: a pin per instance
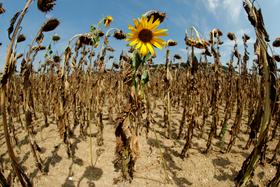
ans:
(77, 16)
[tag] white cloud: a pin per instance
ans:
(213, 5)
(229, 8)
(233, 7)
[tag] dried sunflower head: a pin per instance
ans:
(156, 15)
(56, 58)
(171, 43)
(193, 39)
(116, 66)
(2, 10)
(231, 36)
(245, 37)
(197, 43)
(85, 40)
(21, 38)
(276, 42)
(45, 5)
(201, 44)
(276, 58)
(177, 56)
(55, 38)
(216, 32)
(100, 33)
(220, 42)
(119, 35)
(190, 41)
(50, 25)
(236, 54)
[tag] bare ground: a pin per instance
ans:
(198, 169)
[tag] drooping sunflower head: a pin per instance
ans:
(276, 58)
(2, 9)
(145, 35)
(45, 5)
(276, 42)
(50, 25)
(119, 35)
(55, 38)
(21, 38)
(245, 38)
(156, 14)
(193, 39)
(231, 36)
(108, 20)
(171, 43)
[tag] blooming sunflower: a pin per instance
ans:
(108, 20)
(144, 35)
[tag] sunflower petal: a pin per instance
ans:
(143, 49)
(138, 45)
(155, 25)
(151, 49)
(133, 29)
(135, 23)
(158, 43)
(158, 40)
(134, 42)
(160, 32)
(130, 34)
(144, 22)
(140, 26)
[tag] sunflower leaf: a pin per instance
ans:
(95, 40)
(145, 78)
(146, 57)
(136, 61)
(135, 82)
(92, 28)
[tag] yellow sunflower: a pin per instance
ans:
(144, 35)
(108, 20)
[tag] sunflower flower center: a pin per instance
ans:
(145, 35)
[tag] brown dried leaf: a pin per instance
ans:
(12, 23)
